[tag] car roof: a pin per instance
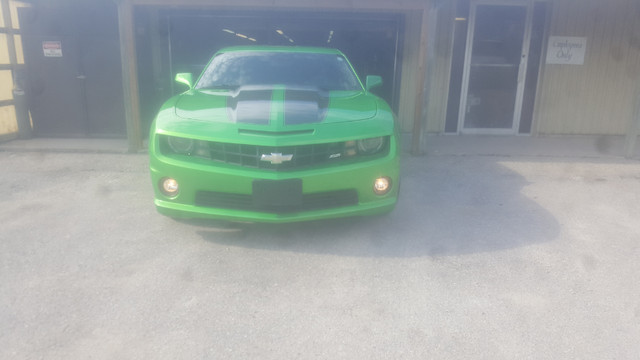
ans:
(292, 49)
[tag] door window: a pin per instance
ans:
(496, 52)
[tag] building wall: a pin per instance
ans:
(439, 65)
(597, 97)
(408, 84)
(436, 70)
(11, 59)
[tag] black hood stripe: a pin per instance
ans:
(305, 106)
(250, 106)
(254, 106)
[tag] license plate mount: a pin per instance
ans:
(277, 193)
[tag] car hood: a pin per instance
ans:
(275, 105)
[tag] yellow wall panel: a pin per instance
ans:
(4, 50)
(1, 17)
(6, 85)
(598, 96)
(8, 122)
(19, 53)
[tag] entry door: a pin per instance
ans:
(56, 96)
(495, 67)
(74, 90)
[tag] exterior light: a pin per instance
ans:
(370, 146)
(382, 185)
(169, 187)
(202, 149)
(350, 148)
(180, 145)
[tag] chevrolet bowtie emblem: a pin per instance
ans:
(276, 158)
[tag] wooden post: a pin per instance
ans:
(129, 74)
(418, 122)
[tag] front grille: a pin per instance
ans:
(250, 155)
(293, 157)
(315, 201)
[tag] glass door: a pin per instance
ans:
(495, 65)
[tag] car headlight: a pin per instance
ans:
(181, 145)
(370, 146)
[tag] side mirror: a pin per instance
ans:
(185, 78)
(373, 81)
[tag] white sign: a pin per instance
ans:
(52, 48)
(566, 50)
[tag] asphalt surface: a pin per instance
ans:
(485, 257)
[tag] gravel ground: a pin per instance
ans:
(485, 257)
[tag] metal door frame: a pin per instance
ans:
(522, 71)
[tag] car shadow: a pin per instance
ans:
(448, 205)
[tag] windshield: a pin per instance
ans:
(235, 69)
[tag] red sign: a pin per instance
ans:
(52, 48)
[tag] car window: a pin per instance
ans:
(323, 71)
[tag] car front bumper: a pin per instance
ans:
(219, 191)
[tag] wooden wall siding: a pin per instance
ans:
(440, 70)
(408, 85)
(130, 86)
(599, 96)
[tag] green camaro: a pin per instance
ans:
(275, 134)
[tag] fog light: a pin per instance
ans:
(169, 187)
(382, 185)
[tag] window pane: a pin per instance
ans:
(14, 5)
(495, 61)
(6, 85)
(8, 123)
(4, 50)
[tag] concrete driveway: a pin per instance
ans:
(485, 257)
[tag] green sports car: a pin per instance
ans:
(275, 134)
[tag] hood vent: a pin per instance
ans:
(274, 133)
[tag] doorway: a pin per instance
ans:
(74, 76)
(502, 50)
(184, 41)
